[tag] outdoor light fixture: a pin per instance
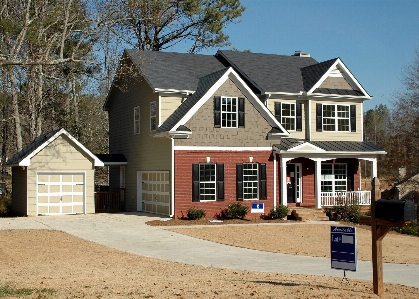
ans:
(251, 159)
(208, 159)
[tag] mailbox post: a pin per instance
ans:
(390, 214)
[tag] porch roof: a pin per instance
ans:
(112, 159)
(295, 145)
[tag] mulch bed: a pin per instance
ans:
(210, 221)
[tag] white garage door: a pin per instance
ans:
(153, 193)
(60, 193)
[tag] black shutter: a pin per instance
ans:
(353, 118)
(239, 181)
(217, 112)
(319, 117)
(299, 116)
(350, 177)
(278, 112)
(241, 112)
(262, 181)
(220, 182)
(195, 182)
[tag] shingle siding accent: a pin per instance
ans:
(204, 134)
(335, 83)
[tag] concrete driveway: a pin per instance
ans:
(128, 232)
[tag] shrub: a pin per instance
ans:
(279, 212)
(345, 212)
(6, 204)
(412, 229)
(194, 214)
(234, 211)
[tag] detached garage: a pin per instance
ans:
(53, 175)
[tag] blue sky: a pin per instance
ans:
(375, 39)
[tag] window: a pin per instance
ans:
(333, 178)
(121, 176)
(153, 121)
(208, 182)
(335, 118)
(251, 181)
(289, 115)
(228, 112)
(137, 120)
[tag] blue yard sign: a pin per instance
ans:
(258, 208)
(343, 248)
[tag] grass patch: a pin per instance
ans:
(412, 229)
(8, 291)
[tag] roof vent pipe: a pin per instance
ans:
(301, 54)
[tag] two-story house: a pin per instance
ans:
(204, 131)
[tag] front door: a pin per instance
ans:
(293, 183)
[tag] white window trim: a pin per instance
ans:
(289, 117)
(153, 116)
(205, 182)
(333, 180)
(137, 121)
(223, 113)
(336, 118)
(253, 181)
(121, 176)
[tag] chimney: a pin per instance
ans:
(301, 54)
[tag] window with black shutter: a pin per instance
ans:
(251, 181)
(207, 182)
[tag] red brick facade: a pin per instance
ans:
(183, 179)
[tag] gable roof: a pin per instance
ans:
(206, 87)
(173, 71)
(268, 72)
(23, 157)
(314, 75)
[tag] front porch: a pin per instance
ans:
(323, 173)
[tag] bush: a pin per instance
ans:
(194, 214)
(412, 229)
(234, 211)
(5, 204)
(345, 212)
(279, 212)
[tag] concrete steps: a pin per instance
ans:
(307, 214)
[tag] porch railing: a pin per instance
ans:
(110, 202)
(362, 198)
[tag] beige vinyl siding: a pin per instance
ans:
(61, 156)
(293, 134)
(143, 151)
(19, 187)
(333, 136)
(168, 106)
(204, 134)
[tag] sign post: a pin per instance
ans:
(343, 251)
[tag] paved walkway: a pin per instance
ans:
(128, 232)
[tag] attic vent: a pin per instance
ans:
(301, 54)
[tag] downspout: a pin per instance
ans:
(172, 179)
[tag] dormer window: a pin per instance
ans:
(228, 112)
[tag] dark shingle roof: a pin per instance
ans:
(28, 149)
(269, 72)
(111, 158)
(311, 74)
(179, 71)
(331, 146)
(205, 83)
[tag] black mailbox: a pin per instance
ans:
(397, 210)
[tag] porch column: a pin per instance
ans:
(283, 181)
(318, 168)
(373, 168)
(275, 178)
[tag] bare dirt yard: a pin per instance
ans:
(53, 264)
